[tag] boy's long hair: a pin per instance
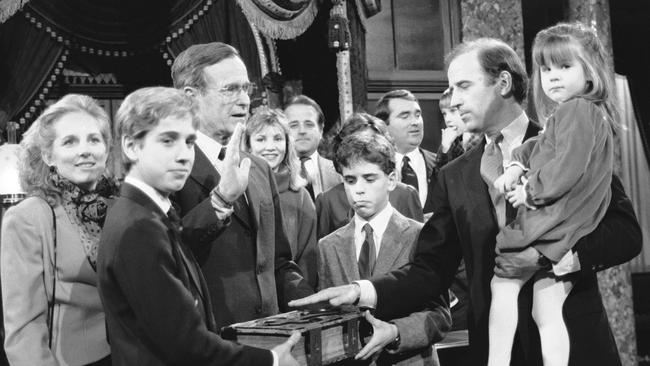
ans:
(565, 42)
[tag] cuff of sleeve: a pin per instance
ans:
(276, 360)
(222, 209)
(368, 297)
(516, 163)
(570, 263)
(529, 200)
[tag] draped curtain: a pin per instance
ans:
(33, 40)
(23, 69)
(634, 170)
(223, 22)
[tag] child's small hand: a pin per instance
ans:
(449, 134)
(517, 196)
(508, 179)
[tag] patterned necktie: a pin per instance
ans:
(305, 174)
(408, 174)
(491, 169)
(368, 254)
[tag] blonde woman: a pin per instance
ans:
(267, 136)
(52, 311)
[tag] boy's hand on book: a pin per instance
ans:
(383, 334)
(284, 351)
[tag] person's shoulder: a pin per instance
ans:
(428, 155)
(408, 223)
(576, 105)
(335, 237)
(31, 209)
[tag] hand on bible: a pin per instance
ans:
(336, 296)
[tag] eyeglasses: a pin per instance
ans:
(232, 91)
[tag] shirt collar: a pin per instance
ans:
(210, 147)
(378, 223)
(161, 201)
(514, 129)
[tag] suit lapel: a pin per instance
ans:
(346, 253)
(142, 199)
(203, 172)
(429, 164)
(392, 244)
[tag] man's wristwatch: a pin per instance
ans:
(394, 345)
(543, 262)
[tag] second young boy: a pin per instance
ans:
(377, 240)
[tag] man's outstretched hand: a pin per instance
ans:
(335, 296)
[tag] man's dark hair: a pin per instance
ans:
(366, 146)
(305, 100)
(496, 56)
(188, 66)
(382, 111)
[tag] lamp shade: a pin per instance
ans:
(10, 188)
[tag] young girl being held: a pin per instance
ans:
(566, 174)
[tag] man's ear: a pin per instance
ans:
(190, 91)
(129, 145)
(392, 180)
(505, 83)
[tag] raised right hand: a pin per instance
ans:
(336, 296)
(284, 351)
(234, 172)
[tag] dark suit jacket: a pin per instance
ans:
(337, 265)
(248, 267)
(333, 210)
(432, 173)
(156, 301)
(464, 226)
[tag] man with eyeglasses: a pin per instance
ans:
(248, 267)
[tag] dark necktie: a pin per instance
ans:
(175, 220)
(368, 254)
(222, 153)
(408, 174)
(305, 174)
(491, 169)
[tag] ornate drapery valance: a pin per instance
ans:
(280, 19)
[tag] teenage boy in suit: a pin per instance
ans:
(377, 240)
(157, 304)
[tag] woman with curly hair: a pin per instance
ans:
(267, 136)
(52, 311)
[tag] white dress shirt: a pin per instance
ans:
(211, 148)
(378, 225)
(419, 167)
(313, 171)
